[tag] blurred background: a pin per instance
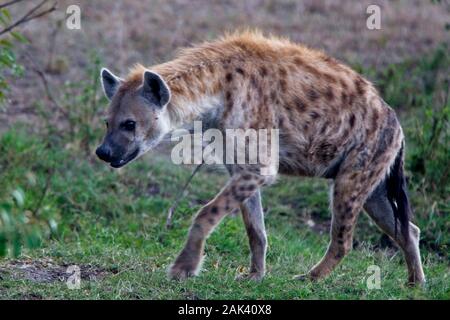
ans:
(122, 33)
(60, 206)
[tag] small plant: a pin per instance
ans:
(8, 61)
(25, 216)
(19, 226)
(431, 156)
(78, 110)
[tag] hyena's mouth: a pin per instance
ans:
(122, 162)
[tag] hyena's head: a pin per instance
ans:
(137, 117)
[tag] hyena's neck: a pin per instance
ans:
(196, 90)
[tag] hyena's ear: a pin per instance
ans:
(155, 89)
(110, 83)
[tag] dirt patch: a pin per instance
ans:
(47, 271)
(30, 296)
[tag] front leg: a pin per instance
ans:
(253, 216)
(240, 187)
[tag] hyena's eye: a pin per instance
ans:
(106, 124)
(128, 125)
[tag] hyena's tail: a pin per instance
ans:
(396, 192)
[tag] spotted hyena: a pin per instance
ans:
(332, 124)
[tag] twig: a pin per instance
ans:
(52, 40)
(44, 192)
(179, 197)
(9, 3)
(30, 16)
(45, 83)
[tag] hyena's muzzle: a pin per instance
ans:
(114, 152)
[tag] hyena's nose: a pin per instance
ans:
(104, 153)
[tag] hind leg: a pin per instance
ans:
(253, 216)
(380, 210)
(347, 200)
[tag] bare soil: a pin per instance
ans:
(48, 270)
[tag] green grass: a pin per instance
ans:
(114, 221)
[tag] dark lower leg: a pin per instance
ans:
(253, 217)
(380, 210)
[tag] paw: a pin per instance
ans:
(182, 271)
(418, 283)
(304, 277)
(301, 277)
(254, 276)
